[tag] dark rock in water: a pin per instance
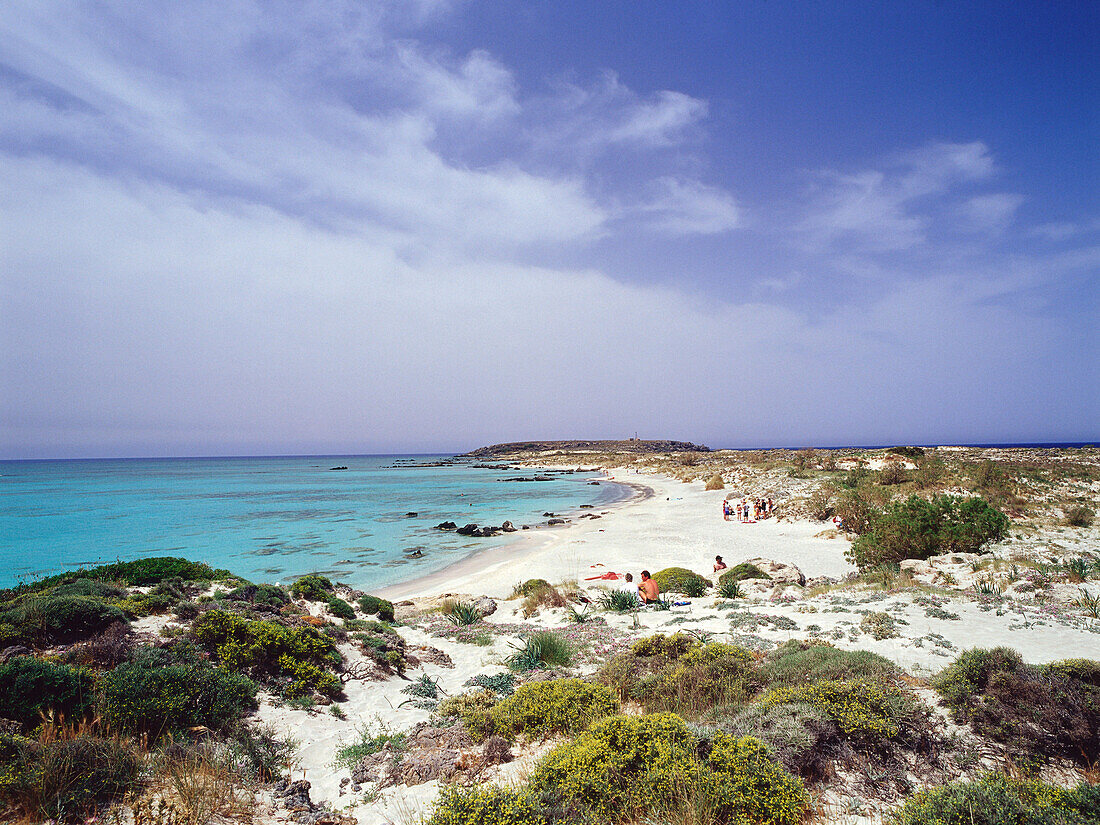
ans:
(593, 484)
(412, 514)
(556, 521)
(447, 525)
(525, 527)
(587, 506)
(508, 527)
(468, 530)
(548, 515)
(486, 532)
(415, 554)
(337, 468)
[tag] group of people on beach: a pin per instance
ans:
(645, 591)
(748, 510)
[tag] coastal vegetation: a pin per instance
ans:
(127, 687)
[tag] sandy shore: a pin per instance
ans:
(675, 524)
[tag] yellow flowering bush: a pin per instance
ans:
(303, 654)
(625, 767)
(473, 709)
(703, 677)
(661, 645)
(539, 709)
(483, 805)
(995, 798)
(860, 709)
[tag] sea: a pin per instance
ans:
(369, 524)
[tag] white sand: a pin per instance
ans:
(680, 525)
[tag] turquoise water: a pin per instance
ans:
(267, 519)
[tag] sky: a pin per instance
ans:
(238, 228)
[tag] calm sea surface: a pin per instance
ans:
(267, 519)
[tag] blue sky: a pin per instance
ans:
(237, 228)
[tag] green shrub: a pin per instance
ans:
(659, 644)
(144, 604)
(729, 589)
(541, 649)
(461, 613)
(312, 588)
(484, 805)
(265, 648)
(1049, 711)
(799, 735)
(627, 768)
(1079, 516)
(861, 710)
(680, 580)
(528, 587)
(48, 619)
(474, 711)
(619, 601)
(152, 697)
(539, 709)
(995, 799)
(65, 779)
(916, 529)
(30, 687)
(796, 662)
(969, 674)
(89, 587)
(742, 571)
(374, 606)
(266, 595)
(340, 608)
(1083, 670)
(855, 511)
(704, 676)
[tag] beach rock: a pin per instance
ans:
(594, 484)
(433, 656)
(554, 521)
(525, 527)
(467, 530)
(412, 514)
(547, 515)
(508, 527)
(587, 506)
(916, 567)
(13, 651)
(779, 572)
(446, 525)
(486, 606)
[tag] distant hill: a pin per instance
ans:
(631, 445)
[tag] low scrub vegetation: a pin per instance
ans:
(680, 580)
(916, 529)
(995, 799)
(1052, 710)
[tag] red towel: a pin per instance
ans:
(604, 577)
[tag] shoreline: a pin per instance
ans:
(493, 558)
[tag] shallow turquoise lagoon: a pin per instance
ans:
(268, 519)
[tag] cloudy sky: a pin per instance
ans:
(375, 226)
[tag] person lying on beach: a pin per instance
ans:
(719, 564)
(648, 589)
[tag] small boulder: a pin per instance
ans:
(446, 525)
(508, 527)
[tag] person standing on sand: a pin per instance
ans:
(648, 589)
(725, 510)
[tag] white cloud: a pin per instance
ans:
(688, 207)
(988, 213)
(886, 210)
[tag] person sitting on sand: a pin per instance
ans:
(719, 564)
(648, 589)
(628, 586)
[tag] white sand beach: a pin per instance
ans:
(677, 524)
